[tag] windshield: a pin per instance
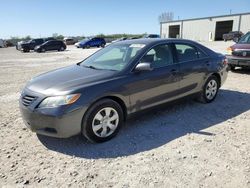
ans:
(245, 39)
(113, 57)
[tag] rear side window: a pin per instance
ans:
(186, 52)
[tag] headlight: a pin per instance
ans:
(229, 51)
(56, 101)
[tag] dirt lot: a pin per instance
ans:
(183, 145)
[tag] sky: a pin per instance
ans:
(42, 18)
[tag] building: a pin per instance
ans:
(205, 29)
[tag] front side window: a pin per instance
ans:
(186, 52)
(159, 56)
(113, 57)
(245, 39)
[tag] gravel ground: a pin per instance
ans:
(186, 144)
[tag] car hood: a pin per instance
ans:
(241, 46)
(66, 79)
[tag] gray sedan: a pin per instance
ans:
(94, 97)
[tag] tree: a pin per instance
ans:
(165, 17)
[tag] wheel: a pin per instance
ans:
(225, 40)
(232, 68)
(102, 121)
(103, 45)
(88, 46)
(61, 49)
(210, 90)
(43, 50)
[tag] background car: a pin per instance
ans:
(94, 97)
(92, 42)
(51, 45)
(233, 35)
(151, 36)
(30, 45)
(239, 53)
(2, 43)
(69, 41)
(120, 39)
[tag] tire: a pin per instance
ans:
(88, 46)
(232, 68)
(43, 50)
(96, 125)
(210, 90)
(61, 49)
(103, 45)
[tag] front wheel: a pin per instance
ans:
(232, 68)
(102, 121)
(210, 90)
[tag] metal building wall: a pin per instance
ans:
(245, 23)
(203, 29)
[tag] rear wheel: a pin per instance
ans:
(61, 49)
(103, 45)
(210, 90)
(102, 121)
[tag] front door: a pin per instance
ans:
(160, 85)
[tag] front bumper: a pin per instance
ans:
(60, 122)
(238, 61)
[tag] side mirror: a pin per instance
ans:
(143, 67)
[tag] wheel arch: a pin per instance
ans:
(116, 99)
(217, 75)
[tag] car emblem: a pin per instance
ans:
(244, 54)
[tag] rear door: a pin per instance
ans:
(193, 64)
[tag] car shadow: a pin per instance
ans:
(242, 71)
(157, 127)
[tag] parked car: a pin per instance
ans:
(50, 46)
(69, 41)
(233, 35)
(30, 45)
(2, 43)
(120, 39)
(94, 97)
(91, 42)
(151, 36)
(239, 53)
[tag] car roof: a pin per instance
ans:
(153, 41)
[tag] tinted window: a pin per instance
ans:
(245, 39)
(159, 56)
(186, 52)
(201, 54)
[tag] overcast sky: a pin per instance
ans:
(42, 18)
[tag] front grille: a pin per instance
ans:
(242, 53)
(28, 100)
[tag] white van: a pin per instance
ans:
(2, 43)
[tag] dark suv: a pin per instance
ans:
(30, 45)
(233, 35)
(51, 45)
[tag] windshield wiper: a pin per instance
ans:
(91, 67)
